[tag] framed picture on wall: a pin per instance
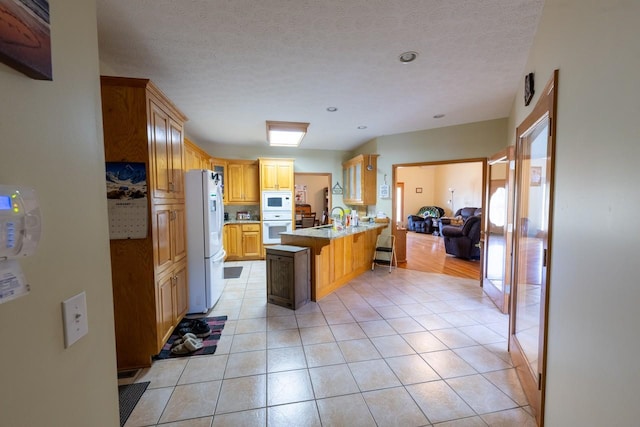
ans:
(536, 176)
(418, 189)
(25, 38)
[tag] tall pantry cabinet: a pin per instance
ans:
(150, 288)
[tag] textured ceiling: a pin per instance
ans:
(230, 65)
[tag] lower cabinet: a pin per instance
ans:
(288, 275)
(242, 241)
(172, 301)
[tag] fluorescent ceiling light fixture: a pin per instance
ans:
(285, 134)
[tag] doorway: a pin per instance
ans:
(431, 184)
(314, 189)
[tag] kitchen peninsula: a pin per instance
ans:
(337, 256)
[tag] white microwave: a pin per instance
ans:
(277, 201)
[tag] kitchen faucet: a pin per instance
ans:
(341, 212)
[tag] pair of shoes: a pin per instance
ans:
(181, 340)
(186, 346)
(198, 327)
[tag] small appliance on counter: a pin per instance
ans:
(243, 216)
(226, 216)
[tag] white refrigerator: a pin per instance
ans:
(205, 222)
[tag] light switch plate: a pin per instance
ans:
(74, 318)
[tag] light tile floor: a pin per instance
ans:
(405, 348)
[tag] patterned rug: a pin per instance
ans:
(129, 395)
(209, 344)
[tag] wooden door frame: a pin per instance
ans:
(493, 293)
(320, 174)
(394, 180)
(535, 388)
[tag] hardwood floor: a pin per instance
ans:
(425, 252)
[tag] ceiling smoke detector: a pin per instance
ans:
(408, 57)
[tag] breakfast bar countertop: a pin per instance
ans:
(327, 231)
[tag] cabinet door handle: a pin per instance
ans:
(170, 186)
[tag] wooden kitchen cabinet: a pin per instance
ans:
(232, 244)
(220, 166)
(195, 157)
(242, 185)
(149, 274)
(276, 174)
(169, 240)
(242, 241)
(251, 241)
(167, 148)
(172, 301)
(359, 181)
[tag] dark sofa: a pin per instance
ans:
(462, 241)
(423, 221)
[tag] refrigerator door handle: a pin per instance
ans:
(220, 256)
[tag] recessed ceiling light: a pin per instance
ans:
(362, 127)
(438, 116)
(332, 109)
(407, 57)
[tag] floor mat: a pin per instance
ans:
(129, 395)
(209, 344)
(232, 272)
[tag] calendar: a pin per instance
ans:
(128, 219)
(127, 200)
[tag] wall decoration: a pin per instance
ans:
(336, 189)
(418, 189)
(528, 88)
(25, 37)
(301, 194)
(536, 176)
(127, 200)
(384, 191)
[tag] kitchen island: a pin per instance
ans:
(337, 256)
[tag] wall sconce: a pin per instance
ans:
(285, 134)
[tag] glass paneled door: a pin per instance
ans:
(530, 292)
(496, 279)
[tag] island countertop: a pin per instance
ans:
(327, 231)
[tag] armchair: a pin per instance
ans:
(463, 241)
(466, 212)
(422, 222)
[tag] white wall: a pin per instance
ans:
(466, 181)
(593, 346)
(51, 140)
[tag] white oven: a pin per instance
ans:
(280, 201)
(274, 223)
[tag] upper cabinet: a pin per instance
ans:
(242, 185)
(166, 144)
(276, 174)
(195, 157)
(359, 175)
(220, 166)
